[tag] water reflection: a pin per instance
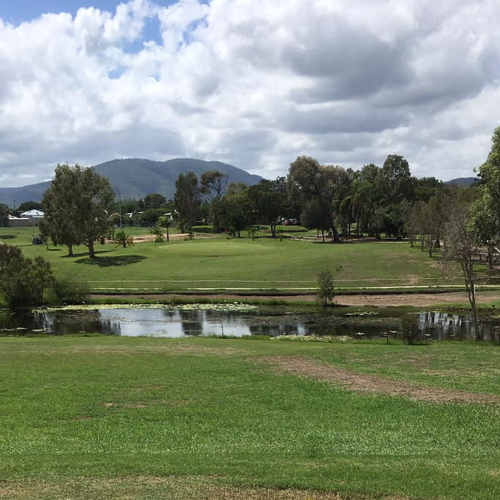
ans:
(445, 326)
(178, 322)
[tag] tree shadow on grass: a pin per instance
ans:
(117, 261)
(84, 254)
(8, 237)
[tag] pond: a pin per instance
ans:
(233, 320)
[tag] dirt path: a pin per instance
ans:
(365, 383)
(412, 299)
(383, 300)
(173, 488)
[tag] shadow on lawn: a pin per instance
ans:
(8, 237)
(117, 261)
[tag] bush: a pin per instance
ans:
(69, 291)
(124, 240)
(24, 281)
(158, 232)
(326, 289)
(409, 329)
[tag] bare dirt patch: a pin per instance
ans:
(169, 349)
(365, 383)
(124, 405)
(144, 487)
(413, 299)
(144, 238)
(379, 300)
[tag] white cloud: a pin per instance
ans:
(253, 83)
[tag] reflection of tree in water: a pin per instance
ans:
(170, 313)
(444, 326)
(191, 322)
(26, 321)
(70, 322)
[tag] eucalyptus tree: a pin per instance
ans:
(269, 201)
(58, 203)
(316, 186)
(77, 206)
(187, 200)
(485, 212)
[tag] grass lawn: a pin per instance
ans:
(213, 263)
(115, 418)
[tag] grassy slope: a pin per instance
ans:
(104, 407)
(237, 263)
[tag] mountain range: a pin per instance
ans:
(463, 181)
(136, 178)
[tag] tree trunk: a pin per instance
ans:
(70, 251)
(91, 249)
(168, 235)
(323, 235)
(335, 234)
(490, 257)
(437, 243)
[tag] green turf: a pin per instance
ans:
(213, 263)
(96, 408)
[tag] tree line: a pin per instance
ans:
(81, 208)
(373, 201)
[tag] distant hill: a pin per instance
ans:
(135, 178)
(463, 181)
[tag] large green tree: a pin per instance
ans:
(237, 209)
(187, 200)
(154, 201)
(58, 203)
(93, 206)
(485, 212)
(269, 201)
(317, 187)
(77, 207)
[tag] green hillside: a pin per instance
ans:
(135, 178)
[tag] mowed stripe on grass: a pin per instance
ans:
(97, 409)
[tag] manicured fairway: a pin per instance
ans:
(238, 264)
(109, 417)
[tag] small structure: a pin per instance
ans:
(33, 214)
(31, 218)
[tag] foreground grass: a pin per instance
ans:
(110, 417)
(221, 263)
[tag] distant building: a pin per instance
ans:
(33, 214)
(31, 218)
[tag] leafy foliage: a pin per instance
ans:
(76, 206)
(124, 240)
(23, 281)
(326, 288)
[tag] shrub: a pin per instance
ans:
(326, 289)
(124, 240)
(69, 291)
(409, 329)
(158, 232)
(253, 231)
(24, 281)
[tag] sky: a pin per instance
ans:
(254, 83)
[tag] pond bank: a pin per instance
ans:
(360, 300)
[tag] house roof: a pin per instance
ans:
(32, 213)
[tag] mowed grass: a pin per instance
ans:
(237, 263)
(110, 417)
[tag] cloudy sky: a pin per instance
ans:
(254, 83)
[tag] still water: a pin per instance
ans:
(172, 322)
